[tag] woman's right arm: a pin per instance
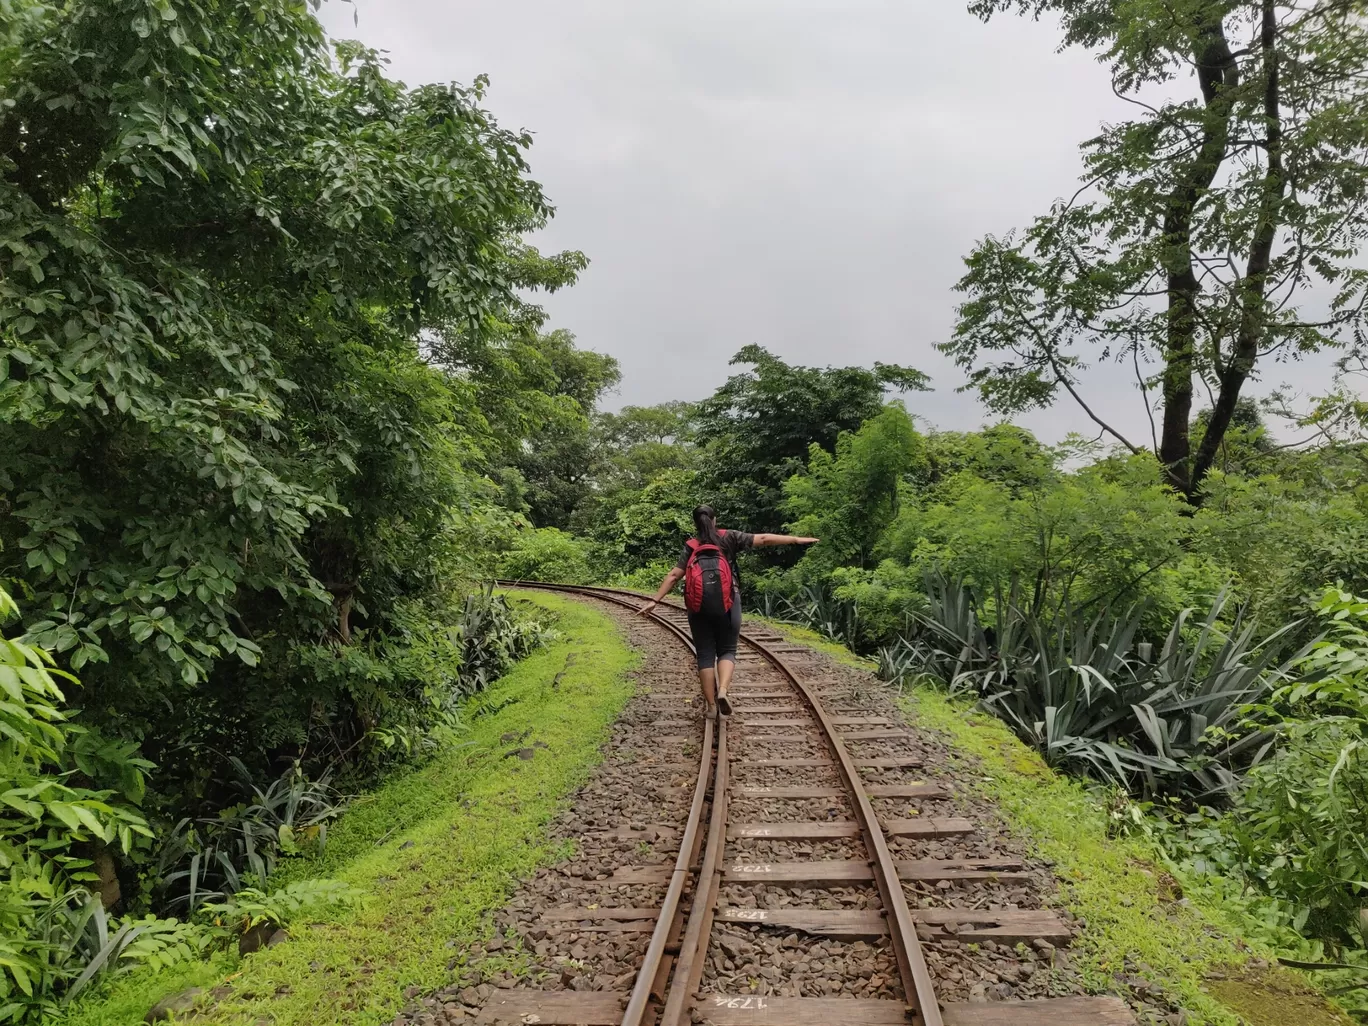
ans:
(765, 541)
(666, 586)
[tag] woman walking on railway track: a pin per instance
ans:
(712, 595)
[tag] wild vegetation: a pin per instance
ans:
(267, 364)
(275, 397)
(432, 850)
(1183, 621)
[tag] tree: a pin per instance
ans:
(234, 486)
(637, 527)
(757, 429)
(670, 423)
(639, 443)
(848, 499)
(1003, 453)
(1247, 447)
(1200, 225)
(555, 388)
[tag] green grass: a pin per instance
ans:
(1135, 922)
(434, 850)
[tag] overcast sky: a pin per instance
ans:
(801, 174)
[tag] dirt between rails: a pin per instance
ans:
(630, 814)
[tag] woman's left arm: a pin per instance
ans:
(765, 541)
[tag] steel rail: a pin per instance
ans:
(912, 967)
(658, 948)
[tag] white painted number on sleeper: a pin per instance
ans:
(739, 1002)
(747, 913)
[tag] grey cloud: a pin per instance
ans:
(804, 175)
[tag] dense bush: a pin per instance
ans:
(69, 806)
(546, 554)
(265, 347)
(262, 332)
(58, 831)
(1297, 828)
(53, 824)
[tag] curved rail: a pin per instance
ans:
(916, 977)
(658, 949)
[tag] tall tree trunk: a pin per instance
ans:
(1253, 287)
(1218, 75)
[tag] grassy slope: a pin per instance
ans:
(1133, 924)
(434, 850)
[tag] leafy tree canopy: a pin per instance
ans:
(757, 428)
(230, 256)
(1210, 235)
(848, 499)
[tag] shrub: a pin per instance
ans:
(548, 555)
(1297, 827)
(216, 856)
(52, 926)
(251, 909)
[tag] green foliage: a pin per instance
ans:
(555, 454)
(639, 443)
(436, 849)
(1297, 834)
(847, 498)
(1084, 538)
(1298, 830)
(633, 527)
(816, 609)
(1003, 453)
(547, 554)
(1114, 884)
(1288, 536)
(888, 598)
(265, 344)
(262, 330)
(1200, 224)
(1091, 696)
(250, 908)
(493, 637)
(53, 929)
(212, 857)
(759, 427)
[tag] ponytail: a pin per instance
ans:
(705, 525)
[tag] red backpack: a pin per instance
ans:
(707, 579)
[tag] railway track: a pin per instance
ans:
(785, 837)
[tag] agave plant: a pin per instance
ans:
(1089, 695)
(817, 608)
(208, 859)
(492, 638)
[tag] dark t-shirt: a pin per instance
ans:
(733, 544)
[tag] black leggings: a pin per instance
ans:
(715, 637)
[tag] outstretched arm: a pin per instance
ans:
(666, 586)
(765, 541)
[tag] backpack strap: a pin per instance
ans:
(695, 547)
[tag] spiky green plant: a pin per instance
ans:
(1090, 695)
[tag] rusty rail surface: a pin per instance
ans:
(657, 951)
(923, 1007)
